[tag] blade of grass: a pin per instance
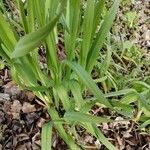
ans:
(93, 129)
(32, 40)
(98, 14)
(100, 38)
(82, 117)
(66, 137)
(22, 15)
(146, 123)
(103, 139)
(129, 98)
(87, 80)
(46, 138)
(62, 93)
(39, 12)
(72, 21)
(51, 54)
(121, 92)
(141, 83)
(144, 101)
(4, 55)
(6, 34)
(31, 17)
(76, 90)
(105, 64)
(71, 26)
(87, 32)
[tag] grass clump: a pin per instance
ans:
(71, 32)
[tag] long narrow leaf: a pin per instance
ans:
(119, 93)
(87, 32)
(76, 90)
(6, 34)
(93, 129)
(22, 15)
(32, 40)
(98, 43)
(62, 93)
(46, 136)
(66, 137)
(87, 80)
(103, 139)
(82, 117)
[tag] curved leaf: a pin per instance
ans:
(32, 40)
(89, 82)
(46, 136)
(82, 117)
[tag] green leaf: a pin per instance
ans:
(46, 138)
(88, 105)
(129, 98)
(105, 64)
(93, 129)
(39, 12)
(32, 40)
(98, 14)
(30, 16)
(142, 84)
(82, 117)
(87, 32)
(22, 15)
(62, 93)
(146, 123)
(103, 139)
(62, 133)
(121, 92)
(87, 80)
(72, 21)
(38, 88)
(144, 101)
(6, 34)
(100, 38)
(76, 91)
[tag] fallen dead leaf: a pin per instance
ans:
(28, 108)
(36, 141)
(22, 137)
(127, 135)
(11, 88)
(0, 146)
(7, 107)
(40, 122)
(15, 109)
(97, 144)
(30, 96)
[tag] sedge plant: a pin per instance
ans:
(71, 32)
